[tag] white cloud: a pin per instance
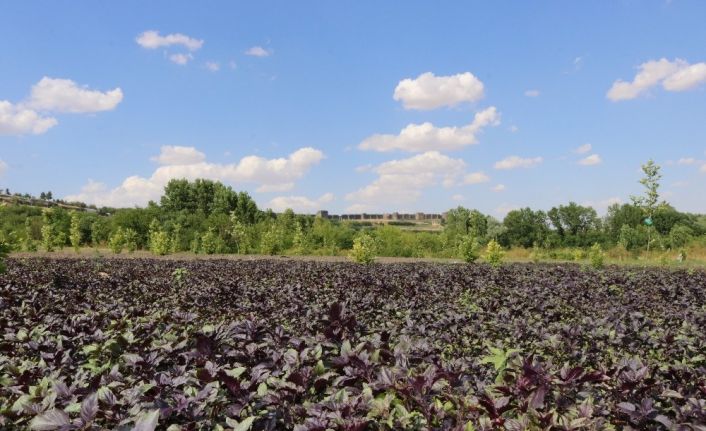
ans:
(186, 162)
(427, 137)
(151, 39)
(175, 155)
(602, 205)
(532, 93)
(402, 181)
(686, 78)
(583, 149)
(593, 159)
(430, 92)
(703, 168)
(457, 198)
(677, 75)
(476, 178)
(258, 51)
(213, 66)
(364, 168)
(181, 59)
(513, 128)
(64, 95)
(3, 167)
(687, 161)
(513, 162)
(16, 120)
(300, 204)
(499, 188)
(503, 209)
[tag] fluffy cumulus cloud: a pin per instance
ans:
(18, 120)
(583, 149)
(676, 75)
(186, 162)
(427, 137)
(499, 188)
(181, 59)
(592, 160)
(64, 95)
(257, 51)
(514, 162)
(213, 66)
(151, 39)
(300, 204)
(175, 155)
(428, 91)
(475, 178)
(401, 182)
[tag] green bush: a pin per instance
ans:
(469, 249)
(210, 242)
(159, 239)
(48, 237)
(596, 256)
(680, 235)
(130, 237)
(363, 250)
(494, 254)
(75, 231)
(270, 241)
(116, 242)
(4, 250)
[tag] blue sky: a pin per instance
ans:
(356, 106)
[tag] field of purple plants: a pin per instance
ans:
(144, 344)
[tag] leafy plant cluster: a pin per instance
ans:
(301, 345)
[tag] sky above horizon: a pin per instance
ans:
(356, 106)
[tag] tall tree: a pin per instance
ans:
(649, 202)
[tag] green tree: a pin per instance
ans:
(159, 239)
(649, 202)
(131, 239)
(75, 231)
(576, 225)
(210, 242)
(524, 227)
(239, 234)
(364, 249)
(48, 231)
(494, 254)
(116, 242)
(596, 256)
(4, 251)
(680, 235)
(29, 243)
(469, 249)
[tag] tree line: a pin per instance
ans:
(204, 216)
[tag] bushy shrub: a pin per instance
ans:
(469, 249)
(210, 242)
(596, 256)
(116, 242)
(159, 239)
(130, 237)
(270, 241)
(364, 249)
(494, 254)
(4, 250)
(680, 235)
(48, 237)
(75, 231)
